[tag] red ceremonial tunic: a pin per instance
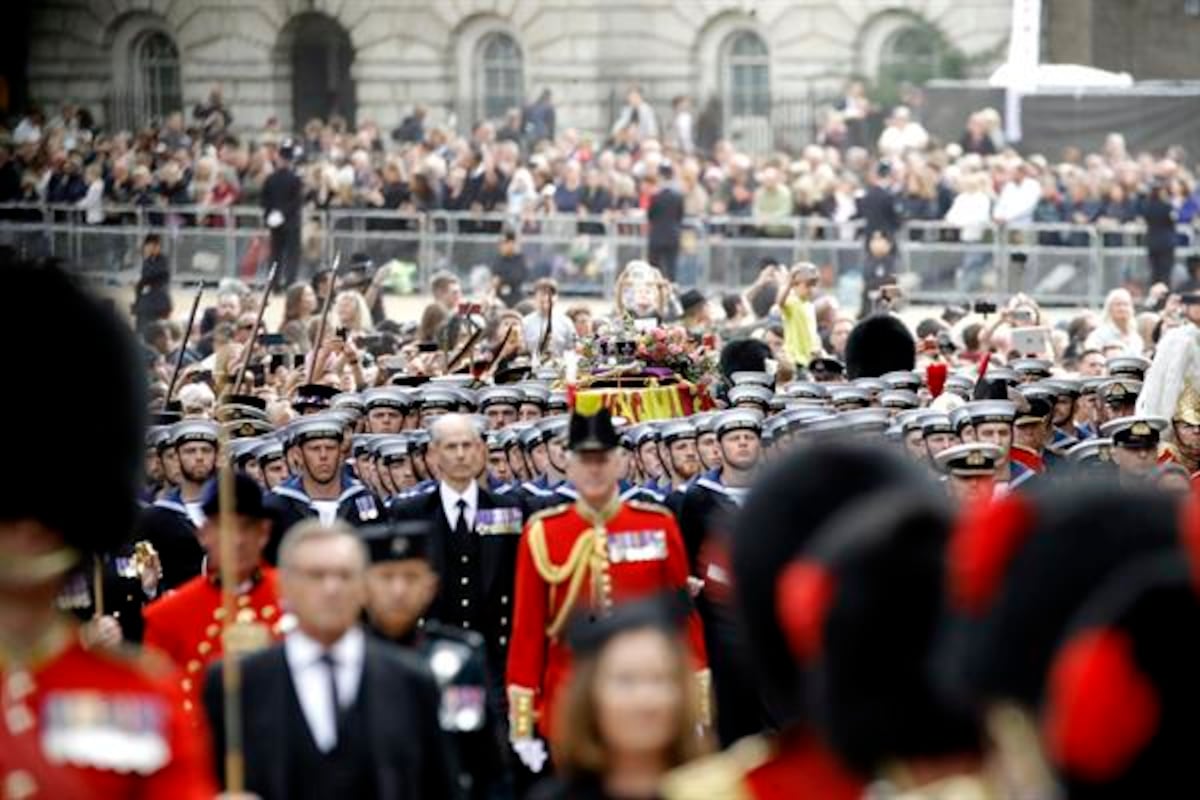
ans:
(570, 558)
(84, 724)
(187, 623)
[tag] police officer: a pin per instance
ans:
(283, 205)
(401, 585)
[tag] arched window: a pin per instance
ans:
(913, 55)
(501, 79)
(501, 82)
(747, 76)
(155, 76)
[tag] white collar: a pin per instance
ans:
(450, 500)
(450, 497)
(303, 651)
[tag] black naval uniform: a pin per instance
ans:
(704, 514)
(458, 661)
(477, 566)
(123, 595)
(167, 526)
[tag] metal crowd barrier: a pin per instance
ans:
(934, 262)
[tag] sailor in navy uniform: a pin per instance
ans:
(401, 584)
(992, 423)
(499, 472)
(271, 464)
(645, 451)
(1066, 397)
(535, 399)
(387, 408)
(170, 523)
(677, 452)
(705, 511)
(321, 489)
(500, 405)
(156, 442)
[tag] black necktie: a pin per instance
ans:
(461, 528)
(331, 667)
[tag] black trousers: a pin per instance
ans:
(285, 249)
(664, 257)
(1161, 264)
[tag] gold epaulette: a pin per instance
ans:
(721, 776)
(547, 513)
(645, 505)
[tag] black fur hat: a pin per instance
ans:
(879, 344)
(783, 511)
(871, 690)
(744, 355)
(89, 391)
(1122, 698)
(1020, 568)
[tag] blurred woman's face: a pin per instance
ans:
(637, 693)
(308, 300)
(1121, 309)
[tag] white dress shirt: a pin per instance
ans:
(310, 676)
(450, 500)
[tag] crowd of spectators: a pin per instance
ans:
(529, 165)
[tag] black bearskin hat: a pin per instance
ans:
(744, 355)
(786, 507)
(879, 344)
(87, 392)
(1019, 568)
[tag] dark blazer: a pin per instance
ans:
(283, 191)
(1160, 223)
(496, 569)
(879, 210)
(665, 215)
(411, 755)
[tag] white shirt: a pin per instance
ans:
(562, 332)
(1017, 201)
(310, 676)
(450, 500)
(970, 211)
(326, 511)
(195, 512)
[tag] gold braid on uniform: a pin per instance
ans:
(588, 553)
(520, 712)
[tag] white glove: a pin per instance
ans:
(532, 753)
(274, 218)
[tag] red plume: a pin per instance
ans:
(1102, 710)
(1189, 535)
(935, 377)
(984, 541)
(803, 595)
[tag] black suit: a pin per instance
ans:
(489, 570)
(409, 754)
(283, 191)
(665, 215)
(1160, 237)
(879, 210)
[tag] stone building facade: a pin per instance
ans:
(766, 62)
